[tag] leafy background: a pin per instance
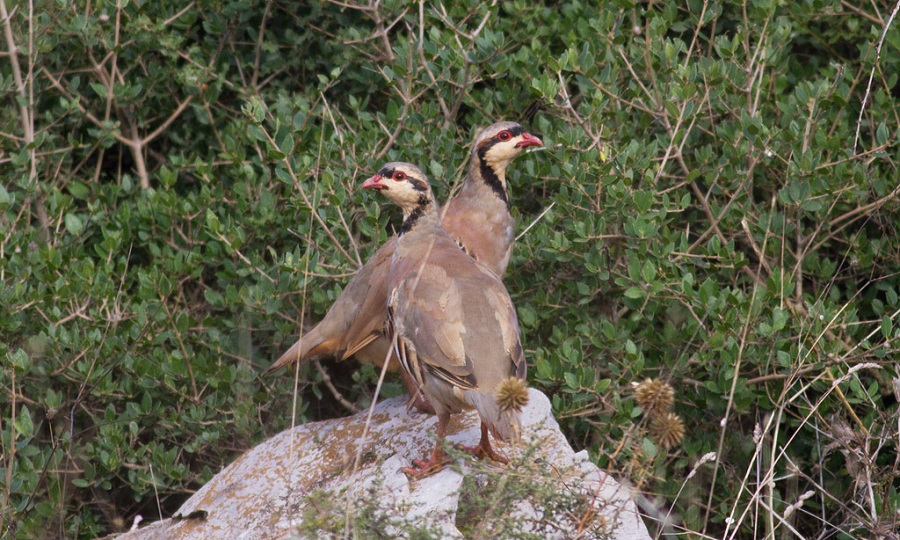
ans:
(179, 198)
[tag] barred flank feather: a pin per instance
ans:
(512, 394)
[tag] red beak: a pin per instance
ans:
(529, 140)
(373, 183)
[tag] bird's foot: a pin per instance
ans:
(422, 468)
(483, 450)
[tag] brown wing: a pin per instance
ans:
(459, 316)
(366, 307)
(428, 311)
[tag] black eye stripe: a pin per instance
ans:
(515, 131)
(489, 142)
(399, 173)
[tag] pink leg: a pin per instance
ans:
(438, 459)
(419, 401)
(484, 450)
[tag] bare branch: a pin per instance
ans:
(862, 108)
(77, 101)
(259, 44)
(334, 391)
(162, 127)
(24, 114)
(178, 15)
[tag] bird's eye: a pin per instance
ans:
(399, 176)
(504, 135)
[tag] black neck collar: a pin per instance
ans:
(490, 177)
(413, 217)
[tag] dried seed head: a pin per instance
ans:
(667, 429)
(654, 396)
(512, 394)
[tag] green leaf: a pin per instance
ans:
(642, 201)
(212, 221)
(630, 347)
(73, 223)
(634, 293)
(255, 109)
(437, 170)
(167, 176)
(784, 359)
(648, 448)
(811, 205)
(20, 360)
(24, 424)
(284, 140)
(527, 315)
(881, 134)
(214, 297)
(79, 190)
(98, 89)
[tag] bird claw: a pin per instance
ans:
(422, 468)
(482, 451)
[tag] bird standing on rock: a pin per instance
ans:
(451, 322)
(478, 218)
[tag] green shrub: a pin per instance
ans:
(179, 197)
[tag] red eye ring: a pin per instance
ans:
(399, 176)
(504, 135)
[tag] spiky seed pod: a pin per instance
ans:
(667, 429)
(512, 394)
(654, 396)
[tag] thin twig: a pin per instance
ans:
(167, 122)
(861, 13)
(862, 108)
(178, 15)
(259, 45)
(362, 439)
(421, 50)
(467, 69)
(534, 222)
(24, 114)
(736, 370)
(288, 165)
(334, 391)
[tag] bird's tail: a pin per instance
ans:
(500, 410)
(311, 345)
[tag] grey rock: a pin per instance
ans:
(342, 477)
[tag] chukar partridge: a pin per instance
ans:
(451, 321)
(477, 217)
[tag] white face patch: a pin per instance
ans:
(501, 155)
(403, 193)
(406, 192)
